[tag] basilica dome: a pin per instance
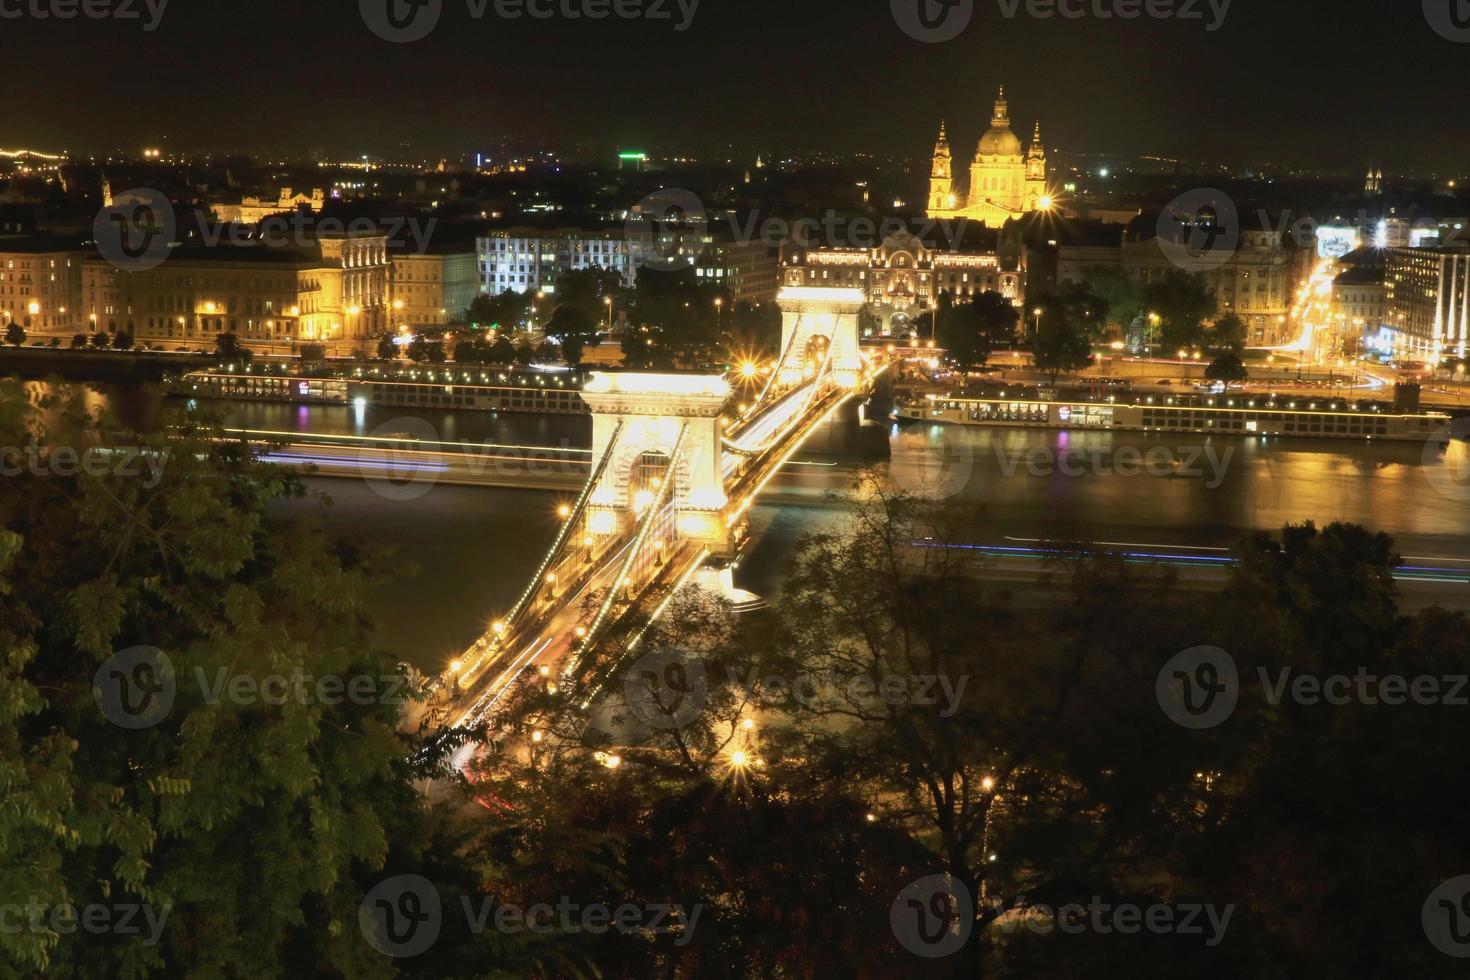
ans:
(1006, 180)
(1000, 141)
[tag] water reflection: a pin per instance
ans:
(474, 548)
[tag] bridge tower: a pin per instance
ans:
(814, 318)
(660, 427)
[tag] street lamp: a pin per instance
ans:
(607, 301)
(1036, 313)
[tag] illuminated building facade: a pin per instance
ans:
(350, 298)
(434, 289)
(253, 210)
(1005, 181)
(1357, 301)
(748, 270)
(1257, 282)
(902, 278)
(528, 260)
(1427, 301)
(40, 283)
(272, 299)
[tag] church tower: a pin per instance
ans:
(1374, 186)
(941, 178)
(1036, 194)
(1006, 180)
(998, 173)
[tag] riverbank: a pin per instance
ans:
(89, 364)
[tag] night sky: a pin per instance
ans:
(1301, 82)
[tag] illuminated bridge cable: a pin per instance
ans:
(575, 520)
(806, 402)
(776, 374)
(655, 511)
(487, 645)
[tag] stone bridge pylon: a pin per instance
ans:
(657, 428)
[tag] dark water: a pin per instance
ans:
(476, 548)
(474, 428)
(465, 552)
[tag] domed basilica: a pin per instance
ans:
(1004, 182)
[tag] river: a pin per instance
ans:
(462, 554)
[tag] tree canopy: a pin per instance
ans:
(970, 331)
(1183, 303)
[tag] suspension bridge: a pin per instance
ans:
(674, 474)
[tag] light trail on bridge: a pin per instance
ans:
(655, 554)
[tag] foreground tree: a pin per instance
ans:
(970, 331)
(1061, 343)
(1182, 302)
(15, 334)
(1083, 307)
(249, 825)
(586, 291)
(507, 312)
(1228, 334)
(1227, 367)
(227, 347)
(503, 351)
(574, 329)
(426, 350)
(1122, 295)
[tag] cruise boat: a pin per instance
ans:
(1245, 415)
(466, 389)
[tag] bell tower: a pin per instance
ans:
(941, 178)
(1036, 193)
(1036, 158)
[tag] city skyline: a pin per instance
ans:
(1169, 86)
(733, 490)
